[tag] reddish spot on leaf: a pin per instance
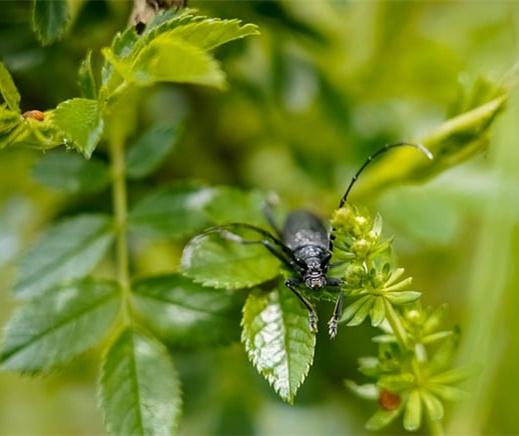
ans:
(388, 400)
(35, 115)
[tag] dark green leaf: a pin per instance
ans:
(49, 19)
(69, 172)
(215, 261)
(171, 60)
(139, 388)
(68, 250)
(187, 313)
(171, 212)
(86, 81)
(150, 150)
(81, 121)
(58, 325)
(8, 90)
(278, 340)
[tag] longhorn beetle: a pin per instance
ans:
(305, 246)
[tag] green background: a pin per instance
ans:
(326, 84)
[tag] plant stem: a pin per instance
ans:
(396, 326)
(119, 203)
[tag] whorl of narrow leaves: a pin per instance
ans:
(278, 340)
(60, 324)
(68, 250)
(139, 387)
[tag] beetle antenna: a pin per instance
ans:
(376, 154)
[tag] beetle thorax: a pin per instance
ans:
(314, 274)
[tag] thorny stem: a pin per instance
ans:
(116, 149)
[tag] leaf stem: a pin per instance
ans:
(119, 204)
(396, 325)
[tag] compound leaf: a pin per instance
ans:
(278, 340)
(8, 90)
(188, 313)
(139, 389)
(49, 19)
(69, 172)
(68, 250)
(81, 121)
(212, 260)
(149, 151)
(58, 325)
(171, 212)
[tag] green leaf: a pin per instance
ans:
(349, 312)
(68, 250)
(171, 60)
(150, 150)
(212, 260)
(184, 312)
(71, 173)
(86, 81)
(8, 90)
(211, 33)
(378, 312)
(81, 121)
(413, 411)
(139, 390)
(402, 297)
(453, 142)
(382, 418)
(362, 312)
(397, 383)
(433, 406)
(232, 205)
(49, 19)
(448, 393)
(455, 375)
(277, 337)
(58, 325)
(171, 212)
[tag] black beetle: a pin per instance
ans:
(305, 246)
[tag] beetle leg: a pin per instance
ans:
(332, 324)
(291, 284)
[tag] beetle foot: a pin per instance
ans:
(333, 327)
(313, 322)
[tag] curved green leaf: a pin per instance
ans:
(185, 312)
(81, 121)
(139, 389)
(433, 405)
(69, 172)
(58, 325)
(382, 418)
(68, 250)
(278, 340)
(171, 212)
(8, 90)
(212, 260)
(49, 19)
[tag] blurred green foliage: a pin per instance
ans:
(325, 85)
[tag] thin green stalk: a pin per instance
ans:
(396, 326)
(119, 203)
